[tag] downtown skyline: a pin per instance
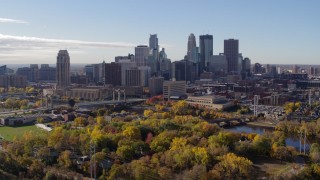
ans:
(268, 32)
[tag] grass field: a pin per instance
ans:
(9, 133)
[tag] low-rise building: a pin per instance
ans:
(210, 102)
(174, 89)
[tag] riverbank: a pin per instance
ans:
(261, 124)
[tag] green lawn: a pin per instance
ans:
(9, 133)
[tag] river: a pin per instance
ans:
(290, 140)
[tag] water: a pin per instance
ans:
(290, 140)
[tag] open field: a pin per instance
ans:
(9, 133)
(275, 168)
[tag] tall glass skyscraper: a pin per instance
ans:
(206, 50)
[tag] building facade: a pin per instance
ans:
(174, 89)
(141, 55)
(206, 50)
(63, 69)
(231, 51)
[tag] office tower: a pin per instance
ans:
(47, 73)
(217, 64)
(113, 74)
(3, 70)
(125, 64)
(153, 58)
(246, 66)
(155, 85)
(206, 51)
(192, 44)
(31, 73)
(164, 65)
(184, 70)
(63, 69)
(101, 70)
(231, 51)
(153, 42)
(132, 77)
(34, 72)
(89, 70)
(145, 73)
(141, 55)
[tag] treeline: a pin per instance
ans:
(172, 145)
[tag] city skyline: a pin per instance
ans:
(268, 32)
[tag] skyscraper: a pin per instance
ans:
(153, 42)
(206, 50)
(231, 51)
(191, 45)
(141, 55)
(63, 69)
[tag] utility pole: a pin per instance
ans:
(93, 172)
(305, 137)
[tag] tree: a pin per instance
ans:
(64, 159)
(132, 132)
(40, 120)
(315, 152)
(148, 113)
(232, 166)
(125, 152)
(201, 155)
(80, 121)
(101, 121)
(180, 108)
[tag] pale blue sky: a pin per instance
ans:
(273, 31)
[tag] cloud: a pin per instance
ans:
(9, 41)
(5, 20)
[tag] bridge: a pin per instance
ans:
(227, 122)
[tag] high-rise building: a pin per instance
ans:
(155, 85)
(153, 42)
(192, 44)
(184, 70)
(246, 68)
(133, 77)
(63, 69)
(141, 55)
(113, 74)
(217, 64)
(3, 70)
(31, 73)
(231, 51)
(206, 51)
(47, 73)
(125, 64)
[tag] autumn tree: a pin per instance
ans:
(64, 159)
(232, 166)
(315, 152)
(132, 132)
